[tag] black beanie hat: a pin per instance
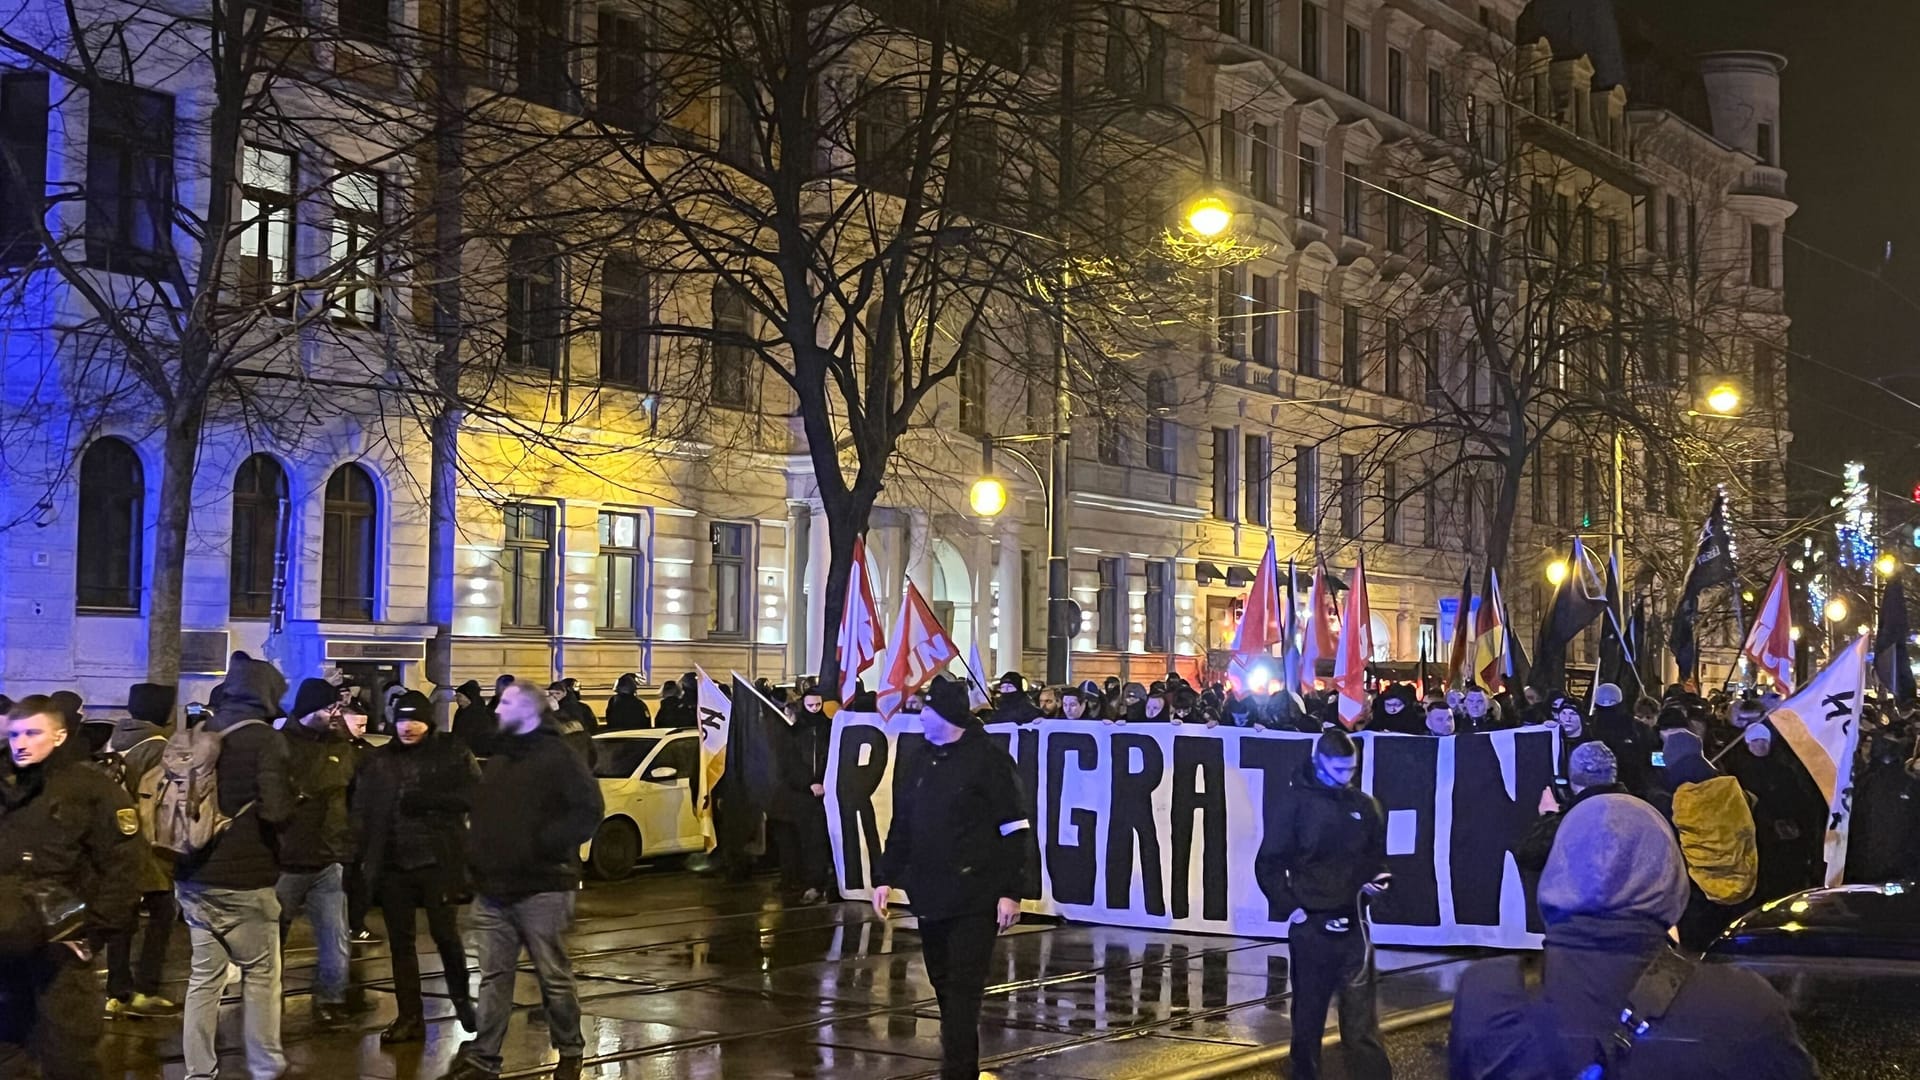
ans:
(1013, 679)
(413, 705)
(313, 695)
(151, 703)
(948, 698)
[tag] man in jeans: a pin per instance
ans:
(536, 803)
(226, 888)
(318, 843)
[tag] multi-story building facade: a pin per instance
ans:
(1337, 131)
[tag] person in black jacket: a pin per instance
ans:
(676, 709)
(133, 984)
(962, 847)
(317, 844)
(409, 812)
(797, 813)
(1011, 703)
(535, 805)
(70, 833)
(226, 889)
(1324, 848)
(625, 710)
(1592, 771)
(473, 721)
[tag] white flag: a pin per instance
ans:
(1822, 725)
(712, 707)
(861, 639)
(976, 677)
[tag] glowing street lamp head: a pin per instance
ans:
(1836, 610)
(1724, 398)
(1209, 217)
(1886, 565)
(988, 496)
(1556, 571)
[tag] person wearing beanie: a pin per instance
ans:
(1591, 770)
(1326, 847)
(134, 986)
(1612, 888)
(962, 847)
(625, 710)
(409, 807)
(1789, 813)
(317, 845)
(1011, 703)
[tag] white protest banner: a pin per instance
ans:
(1162, 825)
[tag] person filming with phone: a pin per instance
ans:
(1324, 856)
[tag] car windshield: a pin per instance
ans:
(617, 759)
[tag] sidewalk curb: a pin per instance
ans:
(1277, 1052)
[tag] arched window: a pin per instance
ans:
(112, 494)
(1160, 430)
(347, 545)
(259, 500)
(535, 316)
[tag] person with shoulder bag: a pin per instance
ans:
(133, 982)
(69, 871)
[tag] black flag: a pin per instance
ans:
(1712, 566)
(1617, 650)
(1577, 601)
(753, 757)
(1890, 661)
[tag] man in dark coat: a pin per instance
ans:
(134, 986)
(535, 805)
(676, 710)
(570, 705)
(1591, 771)
(70, 833)
(962, 847)
(1789, 813)
(797, 812)
(625, 710)
(474, 723)
(1011, 704)
(1613, 886)
(226, 890)
(317, 844)
(1325, 847)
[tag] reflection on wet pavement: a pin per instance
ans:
(685, 977)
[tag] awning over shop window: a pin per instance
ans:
(1206, 573)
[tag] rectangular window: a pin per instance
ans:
(626, 90)
(1157, 632)
(1390, 508)
(1760, 253)
(1352, 358)
(354, 245)
(1310, 19)
(1396, 215)
(1111, 625)
(129, 179)
(1306, 489)
(1352, 497)
(1539, 478)
(1766, 374)
(1763, 142)
(365, 20)
(626, 316)
(266, 227)
(1230, 147)
(1395, 359)
(1229, 314)
(1673, 226)
(1258, 479)
(1430, 511)
(1436, 102)
(1306, 334)
(1356, 70)
(1655, 493)
(23, 140)
(1653, 224)
(1265, 322)
(1693, 239)
(526, 569)
(973, 392)
(732, 342)
(1396, 84)
(739, 142)
(622, 572)
(1225, 484)
(1430, 366)
(1263, 171)
(727, 580)
(1259, 34)
(1230, 17)
(1563, 491)
(1161, 452)
(1353, 205)
(1436, 238)
(540, 53)
(1306, 192)
(883, 148)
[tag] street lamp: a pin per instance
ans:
(1886, 565)
(1209, 216)
(988, 497)
(1836, 610)
(1724, 398)
(1556, 572)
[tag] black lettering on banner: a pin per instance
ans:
(1204, 758)
(853, 794)
(1023, 744)
(1070, 867)
(1488, 825)
(1130, 815)
(1404, 779)
(1276, 760)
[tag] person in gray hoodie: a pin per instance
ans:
(138, 738)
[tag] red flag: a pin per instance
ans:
(1317, 635)
(1490, 636)
(921, 650)
(1356, 648)
(1259, 629)
(1457, 670)
(1770, 642)
(861, 638)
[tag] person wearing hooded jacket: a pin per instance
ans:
(226, 889)
(134, 986)
(1325, 847)
(1789, 813)
(409, 809)
(625, 710)
(1612, 888)
(1397, 710)
(473, 722)
(71, 835)
(1011, 703)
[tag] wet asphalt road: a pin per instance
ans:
(682, 976)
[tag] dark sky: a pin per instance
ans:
(1850, 140)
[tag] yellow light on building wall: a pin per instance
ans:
(988, 496)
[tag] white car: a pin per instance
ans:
(646, 780)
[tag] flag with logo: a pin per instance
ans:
(1261, 628)
(1356, 648)
(1490, 636)
(1316, 637)
(1712, 566)
(1770, 643)
(861, 639)
(1821, 724)
(714, 712)
(921, 650)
